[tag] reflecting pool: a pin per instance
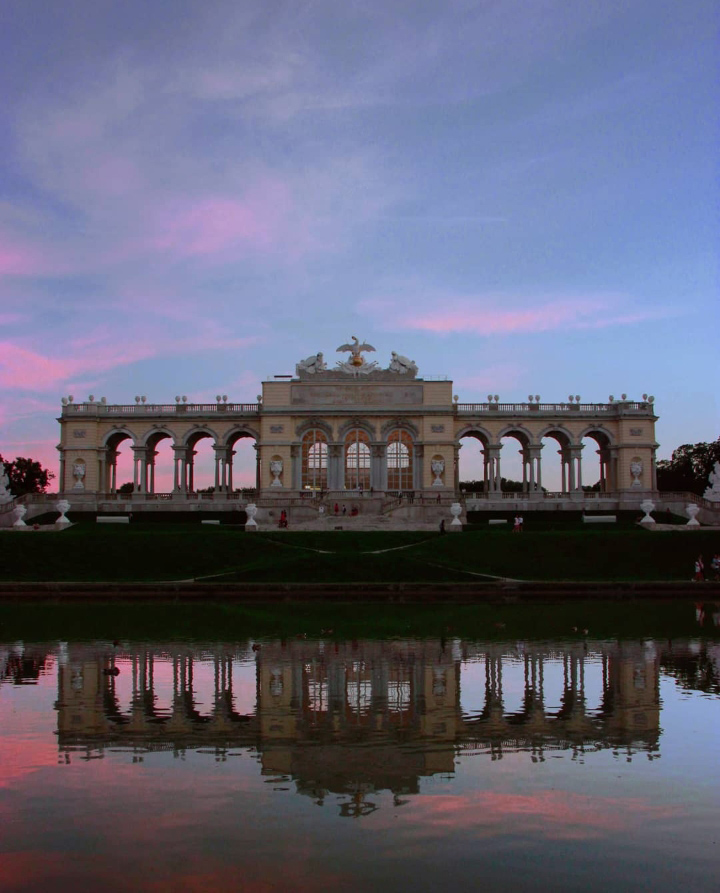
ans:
(322, 762)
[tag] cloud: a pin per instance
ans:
(499, 314)
(100, 351)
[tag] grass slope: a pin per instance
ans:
(153, 552)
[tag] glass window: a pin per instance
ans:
(314, 460)
(357, 461)
(400, 461)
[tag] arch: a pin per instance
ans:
(519, 432)
(474, 465)
(151, 442)
(400, 460)
(605, 466)
(475, 431)
(522, 472)
(600, 434)
(558, 433)
(119, 433)
(314, 460)
(155, 435)
(356, 424)
(315, 424)
(108, 458)
(238, 432)
(399, 424)
(200, 432)
(357, 459)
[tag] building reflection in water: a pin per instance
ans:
(354, 718)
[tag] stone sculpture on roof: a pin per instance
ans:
(402, 365)
(357, 364)
(312, 365)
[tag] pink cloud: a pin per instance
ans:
(211, 226)
(98, 352)
(489, 314)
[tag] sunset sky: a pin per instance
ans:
(520, 195)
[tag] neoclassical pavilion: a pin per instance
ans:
(357, 427)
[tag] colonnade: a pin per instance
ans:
(570, 466)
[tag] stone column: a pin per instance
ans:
(418, 466)
(575, 460)
(257, 466)
(534, 455)
(379, 466)
(456, 466)
(102, 471)
(493, 454)
(180, 459)
(296, 466)
(335, 470)
(140, 469)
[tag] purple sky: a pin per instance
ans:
(522, 196)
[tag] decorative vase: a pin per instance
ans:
(647, 505)
(19, 513)
(437, 466)
(456, 511)
(276, 467)
(251, 511)
(691, 510)
(63, 506)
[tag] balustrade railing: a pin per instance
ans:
(552, 407)
(150, 409)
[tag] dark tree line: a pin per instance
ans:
(689, 467)
(26, 476)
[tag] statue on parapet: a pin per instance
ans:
(311, 365)
(402, 365)
(5, 494)
(712, 493)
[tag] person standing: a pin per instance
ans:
(699, 570)
(516, 524)
(521, 522)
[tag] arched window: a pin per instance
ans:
(357, 460)
(400, 461)
(314, 460)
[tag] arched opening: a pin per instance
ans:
(159, 459)
(400, 461)
(474, 462)
(519, 472)
(314, 460)
(200, 463)
(554, 470)
(598, 464)
(118, 465)
(238, 464)
(357, 460)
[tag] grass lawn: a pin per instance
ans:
(152, 552)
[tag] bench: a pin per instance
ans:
(113, 519)
(497, 521)
(209, 522)
(599, 519)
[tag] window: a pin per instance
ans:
(357, 461)
(400, 461)
(314, 460)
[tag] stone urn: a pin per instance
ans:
(251, 511)
(456, 511)
(437, 466)
(63, 506)
(276, 467)
(19, 513)
(636, 470)
(79, 474)
(691, 510)
(647, 505)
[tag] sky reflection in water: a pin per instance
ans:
(318, 764)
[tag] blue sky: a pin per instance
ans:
(522, 196)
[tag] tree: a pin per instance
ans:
(689, 467)
(126, 488)
(26, 476)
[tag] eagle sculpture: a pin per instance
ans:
(356, 350)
